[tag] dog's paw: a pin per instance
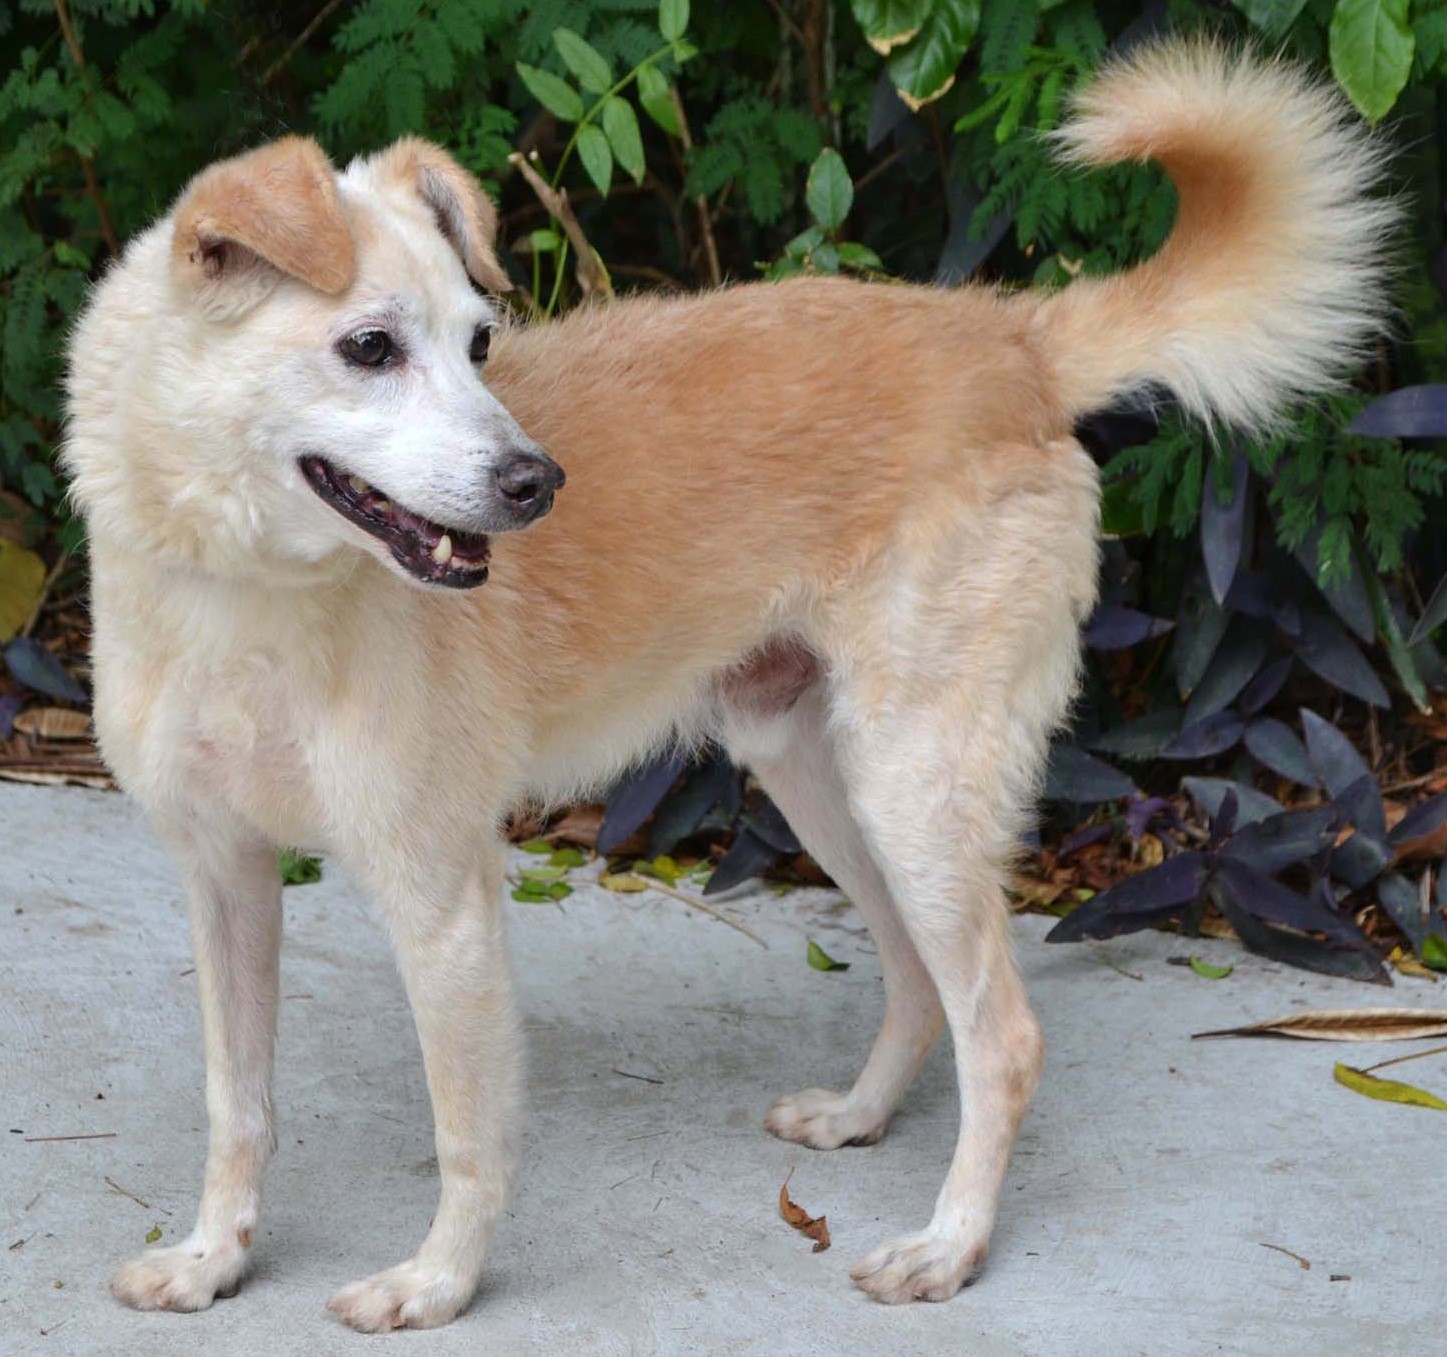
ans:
(825, 1120)
(186, 1277)
(931, 1265)
(409, 1296)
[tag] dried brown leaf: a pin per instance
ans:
(1346, 1024)
(815, 1227)
(54, 723)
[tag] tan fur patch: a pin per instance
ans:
(280, 202)
(464, 212)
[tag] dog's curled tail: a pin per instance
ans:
(1273, 282)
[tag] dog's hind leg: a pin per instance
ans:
(445, 918)
(955, 663)
(790, 753)
(234, 891)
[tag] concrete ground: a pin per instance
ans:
(1156, 1185)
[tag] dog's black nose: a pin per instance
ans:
(525, 478)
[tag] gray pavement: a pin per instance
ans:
(1149, 1177)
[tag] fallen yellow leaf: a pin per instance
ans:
(1387, 1090)
(22, 577)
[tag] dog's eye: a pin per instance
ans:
(368, 348)
(481, 338)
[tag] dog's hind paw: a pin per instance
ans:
(186, 1277)
(931, 1265)
(825, 1120)
(409, 1296)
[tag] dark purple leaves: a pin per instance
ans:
(1270, 681)
(1269, 846)
(1421, 821)
(1433, 616)
(636, 798)
(1334, 757)
(1273, 903)
(1354, 963)
(1327, 650)
(1411, 412)
(1210, 794)
(1116, 628)
(1144, 738)
(9, 710)
(1362, 857)
(769, 824)
(1236, 662)
(1143, 810)
(1274, 743)
(1214, 735)
(1073, 775)
(1137, 902)
(1201, 625)
(749, 856)
(34, 666)
(1406, 906)
(1224, 528)
(680, 815)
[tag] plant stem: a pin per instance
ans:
(92, 185)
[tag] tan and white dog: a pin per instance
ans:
(844, 528)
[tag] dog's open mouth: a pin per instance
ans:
(427, 551)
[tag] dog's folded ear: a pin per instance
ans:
(464, 212)
(244, 222)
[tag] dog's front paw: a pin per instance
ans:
(186, 1277)
(931, 1265)
(825, 1120)
(409, 1296)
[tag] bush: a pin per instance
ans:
(899, 138)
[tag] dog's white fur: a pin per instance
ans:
(846, 529)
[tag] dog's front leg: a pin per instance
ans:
(447, 930)
(234, 892)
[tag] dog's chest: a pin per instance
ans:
(243, 740)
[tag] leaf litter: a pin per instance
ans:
(815, 1227)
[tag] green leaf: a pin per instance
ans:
(672, 19)
(620, 123)
(1272, 17)
(830, 192)
(820, 960)
(544, 875)
(567, 857)
(888, 24)
(552, 92)
(153, 1235)
(657, 102)
(856, 256)
(584, 60)
(1209, 972)
(297, 869)
(596, 156)
(1371, 52)
(536, 846)
(1397, 652)
(544, 241)
(1434, 952)
(1386, 1090)
(924, 68)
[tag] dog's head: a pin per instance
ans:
(292, 363)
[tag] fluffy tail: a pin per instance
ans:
(1273, 282)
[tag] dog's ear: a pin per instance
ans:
(464, 212)
(244, 222)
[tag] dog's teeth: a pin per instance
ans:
(358, 484)
(442, 552)
(383, 506)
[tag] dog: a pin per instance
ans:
(843, 528)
